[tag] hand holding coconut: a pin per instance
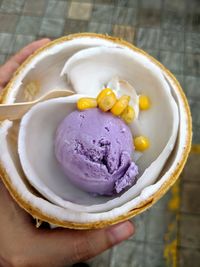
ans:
(139, 161)
(21, 244)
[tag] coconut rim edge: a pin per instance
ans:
(35, 212)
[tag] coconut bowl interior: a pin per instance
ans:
(39, 74)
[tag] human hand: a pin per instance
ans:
(21, 243)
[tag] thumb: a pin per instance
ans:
(59, 247)
(7, 70)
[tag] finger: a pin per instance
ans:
(60, 247)
(7, 70)
(28, 50)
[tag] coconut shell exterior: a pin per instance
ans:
(40, 215)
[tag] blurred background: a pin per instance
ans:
(169, 233)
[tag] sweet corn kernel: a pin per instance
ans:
(144, 102)
(120, 105)
(106, 102)
(128, 114)
(86, 102)
(141, 143)
(103, 93)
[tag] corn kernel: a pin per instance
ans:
(103, 93)
(120, 105)
(106, 102)
(144, 102)
(86, 102)
(141, 143)
(128, 114)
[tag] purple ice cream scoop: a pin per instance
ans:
(94, 149)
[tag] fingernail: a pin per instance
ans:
(120, 232)
(46, 39)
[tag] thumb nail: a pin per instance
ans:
(120, 232)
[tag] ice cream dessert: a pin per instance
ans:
(94, 149)
(87, 63)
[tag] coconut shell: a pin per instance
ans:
(40, 214)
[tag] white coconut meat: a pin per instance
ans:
(38, 160)
(78, 207)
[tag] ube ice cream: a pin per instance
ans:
(94, 149)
